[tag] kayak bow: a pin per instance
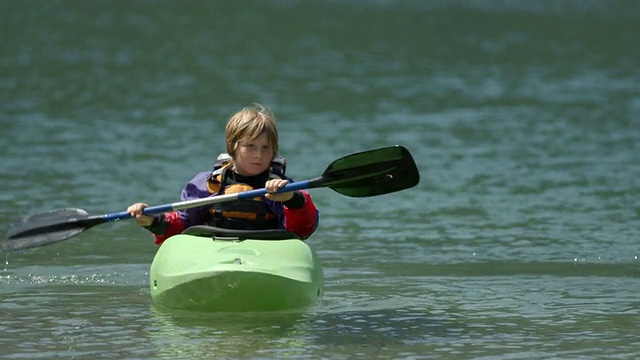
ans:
(212, 269)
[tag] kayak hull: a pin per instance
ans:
(235, 273)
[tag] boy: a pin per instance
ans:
(251, 163)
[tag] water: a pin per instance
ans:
(521, 240)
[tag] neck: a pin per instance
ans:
(255, 181)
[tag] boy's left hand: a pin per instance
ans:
(272, 187)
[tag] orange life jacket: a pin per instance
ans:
(246, 214)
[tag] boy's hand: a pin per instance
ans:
(135, 211)
(272, 187)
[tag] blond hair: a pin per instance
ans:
(251, 122)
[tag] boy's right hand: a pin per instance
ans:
(135, 211)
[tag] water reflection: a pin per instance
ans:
(181, 334)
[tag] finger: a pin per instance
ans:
(280, 184)
(273, 187)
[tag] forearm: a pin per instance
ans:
(166, 225)
(301, 215)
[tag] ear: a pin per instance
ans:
(232, 150)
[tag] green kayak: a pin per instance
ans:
(213, 269)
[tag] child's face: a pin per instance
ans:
(253, 156)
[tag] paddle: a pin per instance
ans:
(368, 173)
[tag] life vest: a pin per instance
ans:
(246, 214)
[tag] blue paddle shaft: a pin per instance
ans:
(188, 204)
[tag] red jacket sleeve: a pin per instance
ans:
(175, 227)
(303, 221)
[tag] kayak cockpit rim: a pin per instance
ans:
(239, 235)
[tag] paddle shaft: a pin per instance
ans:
(188, 204)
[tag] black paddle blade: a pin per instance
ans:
(47, 228)
(371, 173)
